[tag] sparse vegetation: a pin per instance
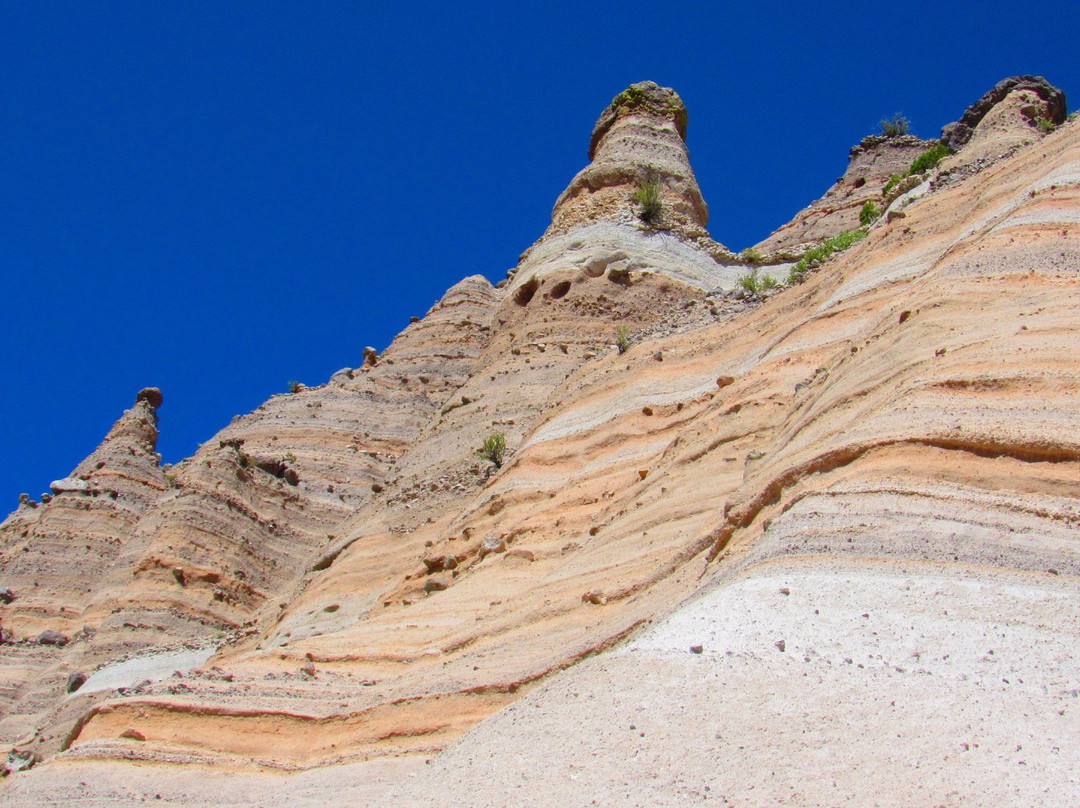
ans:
(895, 126)
(494, 448)
(823, 251)
(752, 256)
(290, 457)
(929, 159)
(622, 338)
(756, 283)
(869, 213)
(295, 386)
(647, 196)
(894, 180)
(1045, 125)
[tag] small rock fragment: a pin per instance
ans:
(20, 760)
(492, 545)
(75, 681)
(50, 637)
(594, 596)
(133, 734)
(697, 649)
(724, 381)
(780, 644)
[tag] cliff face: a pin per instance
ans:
(856, 502)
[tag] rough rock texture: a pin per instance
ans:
(991, 132)
(870, 165)
(638, 138)
(1046, 100)
(820, 550)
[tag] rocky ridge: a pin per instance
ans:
(813, 479)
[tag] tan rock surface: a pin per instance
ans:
(861, 499)
(870, 166)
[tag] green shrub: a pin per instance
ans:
(622, 338)
(648, 197)
(869, 213)
(752, 256)
(822, 251)
(494, 448)
(894, 180)
(1045, 125)
(929, 159)
(755, 283)
(895, 126)
(295, 386)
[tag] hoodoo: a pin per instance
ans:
(627, 528)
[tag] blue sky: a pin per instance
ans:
(216, 198)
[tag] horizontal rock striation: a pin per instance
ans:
(840, 521)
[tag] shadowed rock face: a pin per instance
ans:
(857, 502)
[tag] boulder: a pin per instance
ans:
(70, 485)
(50, 637)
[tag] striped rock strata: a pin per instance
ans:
(818, 550)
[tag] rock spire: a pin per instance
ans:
(639, 139)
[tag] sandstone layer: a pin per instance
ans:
(813, 550)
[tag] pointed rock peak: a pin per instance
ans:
(640, 172)
(126, 463)
(1040, 100)
(646, 98)
(151, 395)
(132, 438)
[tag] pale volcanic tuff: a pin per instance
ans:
(857, 502)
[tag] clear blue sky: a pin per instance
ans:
(216, 198)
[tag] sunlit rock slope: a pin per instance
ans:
(814, 545)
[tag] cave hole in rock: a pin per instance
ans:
(524, 294)
(559, 290)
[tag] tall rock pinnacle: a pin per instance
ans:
(639, 138)
(601, 226)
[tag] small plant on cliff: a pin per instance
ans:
(894, 180)
(756, 283)
(494, 448)
(929, 159)
(295, 386)
(647, 196)
(895, 126)
(622, 338)
(822, 251)
(869, 213)
(752, 256)
(1045, 125)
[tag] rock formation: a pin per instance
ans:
(817, 549)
